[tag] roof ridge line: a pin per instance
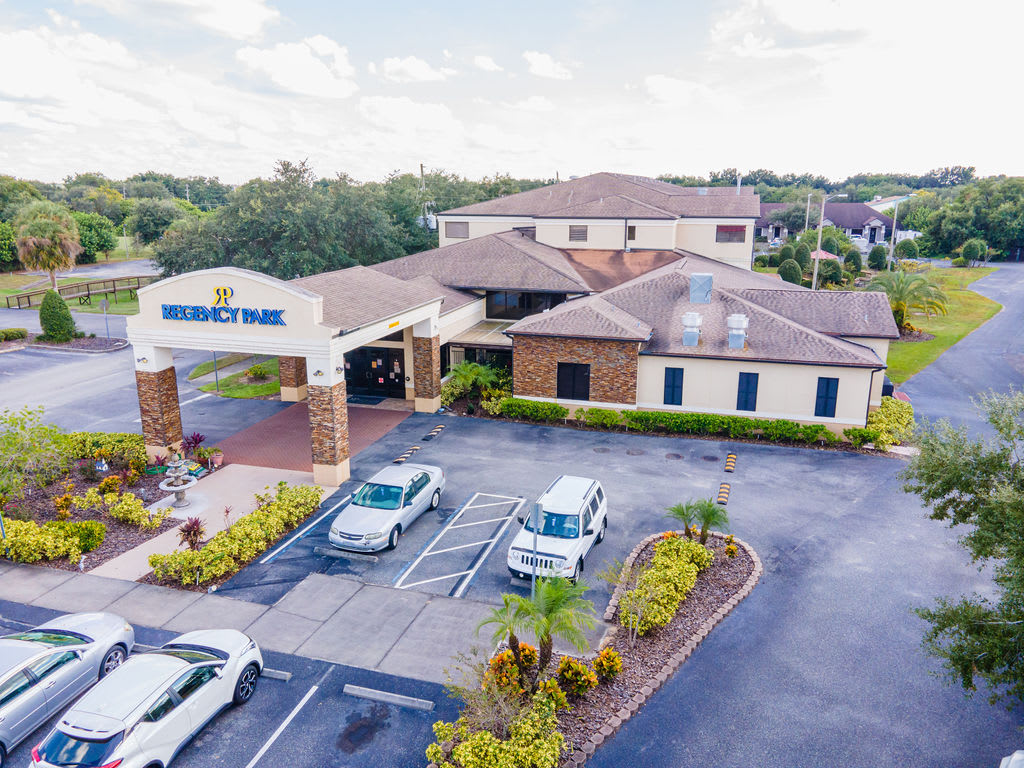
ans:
(578, 279)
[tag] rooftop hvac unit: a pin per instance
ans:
(737, 325)
(700, 287)
(691, 328)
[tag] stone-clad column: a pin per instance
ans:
(292, 373)
(328, 421)
(157, 385)
(426, 365)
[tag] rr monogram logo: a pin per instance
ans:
(222, 295)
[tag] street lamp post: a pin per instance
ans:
(807, 216)
(815, 255)
(892, 239)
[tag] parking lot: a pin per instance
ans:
(307, 720)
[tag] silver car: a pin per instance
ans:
(386, 505)
(43, 669)
(145, 713)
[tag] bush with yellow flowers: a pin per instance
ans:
(608, 664)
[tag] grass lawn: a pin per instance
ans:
(233, 386)
(222, 362)
(124, 304)
(134, 252)
(11, 283)
(767, 270)
(967, 310)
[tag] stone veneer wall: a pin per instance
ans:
(613, 366)
(328, 421)
(292, 371)
(158, 406)
(426, 366)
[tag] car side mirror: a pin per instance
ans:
(588, 532)
(521, 519)
(218, 671)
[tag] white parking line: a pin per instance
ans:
(303, 532)
(436, 578)
(282, 726)
(460, 546)
(494, 504)
(478, 522)
(464, 584)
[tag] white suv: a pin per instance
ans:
(574, 519)
(145, 711)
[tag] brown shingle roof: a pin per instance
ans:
(594, 319)
(614, 207)
(836, 313)
(358, 296)
(606, 269)
(842, 215)
(505, 261)
(674, 200)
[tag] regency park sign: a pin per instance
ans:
(222, 312)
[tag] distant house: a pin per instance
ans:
(882, 204)
(855, 219)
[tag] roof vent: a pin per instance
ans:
(700, 287)
(691, 328)
(702, 190)
(737, 325)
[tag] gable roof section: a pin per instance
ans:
(594, 319)
(504, 261)
(842, 215)
(835, 313)
(614, 207)
(607, 269)
(674, 200)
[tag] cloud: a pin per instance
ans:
(675, 91)
(533, 103)
(412, 70)
(486, 63)
(403, 115)
(543, 65)
(237, 19)
(317, 66)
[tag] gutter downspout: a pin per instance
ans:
(871, 386)
(625, 234)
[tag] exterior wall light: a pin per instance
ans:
(318, 373)
(142, 360)
(339, 369)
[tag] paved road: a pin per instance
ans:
(97, 392)
(329, 729)
(104, 269)
(990, 358)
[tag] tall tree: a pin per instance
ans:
(15, 193)
(96, 235)
(978, 486)
(792, 217)
(47, 238)
(152, 217)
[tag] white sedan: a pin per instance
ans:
(144, 712)
(386, 505)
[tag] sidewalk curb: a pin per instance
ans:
(51, 347)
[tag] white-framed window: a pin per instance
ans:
(456, 229)
(631, 232)
(577, 233)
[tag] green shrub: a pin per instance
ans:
(602, 418)
(29, 542)
(451, 391)
(974, 249)
(13, 334)
(740, 426)
(533, 741)
(664, 584)
(853, 262)
(894, 422)
(258, 371)
(877, 257)
(761, 261)
(829, 271)
(55, 318)
(532, 410)
(790, 271)
(959, 261)
(802, 256)
(782, 430)
(859, 436)
(785, 253)
(608, 664)
(830, 245)
(230, 549)
(813, 433)
(907, 249)
(492, 407)
(575, 677)
(124, 450)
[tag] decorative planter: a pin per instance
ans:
(217, 459)
(156, 470)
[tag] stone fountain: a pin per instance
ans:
(177, 481)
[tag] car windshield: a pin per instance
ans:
(60, 749)
(560, 526)
(49, 637)
(190, 654)
(378, 496)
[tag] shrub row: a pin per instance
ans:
(664, 584)
(531, 410)
(230, 549)
(28, 542)
(893, 422)
(122, 449)
(13, 334)
(126, 507)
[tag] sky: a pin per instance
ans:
(227, 87)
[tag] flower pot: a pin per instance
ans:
(217, 459)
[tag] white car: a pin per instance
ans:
(573, 520)
(143, 713)
(860, 242)
(386, 505)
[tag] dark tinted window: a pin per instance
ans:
(515, 305)
(600, 494)
(192, 681)
(673, 386)
(50, 664)
(60, 749)
(828, 393)
(573, 381)
(163, 705)
(14, 687)
(52, 637)
(726, 233)
(746, 394)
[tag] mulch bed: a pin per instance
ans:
(10, 346)
(120, 537)
(915, 336)
(649, 653)
(97, 344)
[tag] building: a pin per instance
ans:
(854, 219)
(584, 288)
(883, 204)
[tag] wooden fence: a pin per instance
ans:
(84, 292)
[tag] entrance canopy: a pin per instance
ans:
(310, 322)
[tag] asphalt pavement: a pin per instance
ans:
(990, 358)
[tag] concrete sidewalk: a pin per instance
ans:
(232, 486)
(329, 618)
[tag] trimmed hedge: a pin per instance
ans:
(13, 334)
(231, 549)
(531, 410)
(55, 318)
(122, 449)
(893, 421)
(29, 542)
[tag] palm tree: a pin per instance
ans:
(710, 515)
(907, 291)
(507, 620)
(47, 238)
(473, 377)
(686, 513)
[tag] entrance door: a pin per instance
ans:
(376, 371)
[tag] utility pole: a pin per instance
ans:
(892, 240)
(187, 198)
(816, 256)
(807, 216)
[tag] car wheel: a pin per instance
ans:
(604, 527)
(246, 685)
(3, 756)
(115, 658)
(435, 500)
(578, 572)
(393, 538)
